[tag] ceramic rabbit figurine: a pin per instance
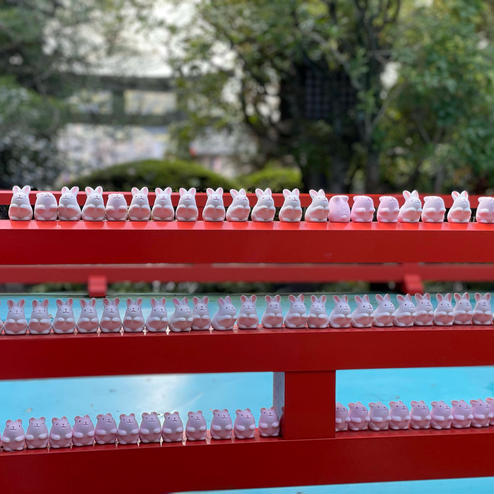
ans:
(264, 209)
(110, 319)
(128, 429)
(201, 318)
(412, 208)
(388, 209)
(463, 309)
(13, 437)
(83, 431)
(116, 208)
(490, 403)
(195, 428)
(462, 414)
(318, 317)
(341, 418)
(46, 207)
(482, 312)
(362, 209)
(239, 209)
(441, 416)
(460, 211)
(163, 207)
(339, 209)
(224, 319)
(157, 320)
(318, 210)
(420, 415)
(40, 322)
(133, 321)
(361, 317)
(173, 428)
(16, 322)
(105, 431)
(291, 211)
(443, 314)
(378, 417)
(181, 319)
(150, 428)
(37, 434)
(247, 316)
(214, 210)
(272, 317)
(481, 411)
(424, 312)
(187, 207)
(60, 433)
(359, 417)
(404, 315)
(20, 208)
(269, 423)
(139, 209)
(64, 322)
(221, 425)
(296, 316)
(340, 315)
(399, 416)
(383, 314)
(94, 207)
(244, 425)
(68, 207)
(485, 210)
(88, 319)
(434, 209)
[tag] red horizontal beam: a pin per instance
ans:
(348, 458)
(244, 351)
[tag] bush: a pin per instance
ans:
(276, 179)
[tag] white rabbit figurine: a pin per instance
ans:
(94, 207)
(157, 320)
(139, 209)
(463, 309)
(434, 209)
(340, 315)
(224, 319)
(200, 313)
(16, 322)
(181, 319)
(318, 317)
(239, 209)
(296, 316)
(40, 322)
(110, 319)
(116, 208)
(88, 319)
(291, 211)
(383, 313)
(214, 210)
(424, 312)
(64, 322)
(187, 207)
(482, 312)
(68, 207)
(362, 316)
(273, 316)
(460, 211)
(318, 210)
(163, 207)
(133, 321)
(247, 315)
(411, 209)
(388, 209)
(362, 210)
(264, 209)
(404, 315)
(339, 209)
(485, 210)
(20, 208)
(443, 314)
(46, 207)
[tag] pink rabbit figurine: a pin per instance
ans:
(68, 207)
(163, 207)
(460, 211)
(441, 416)
(340, 317)
(16, 322)
(46, 207)
(187, 207)
(318, 317)
(110, 319)
(244, 425)
(420, 415)
(173, 428)
(264, 209)
(362, 209)
(462, 414)
(490, 403)
(269, 423)
(60, 433)
(296, 316)
(482, 312)
(105, 431)
(404, 315)
(94, 207)
(359, 417)
(37, 434)
(361, 317)
(116, 208)
(83, 431)
(463, 309)
(13, 438)
(225, 316)
(182, 318)
(195, 428)
(378, 417)
(247, 315)
(88, 319)
(318, 210)
(291, 211)
(424, 312)
(341, 418)
(64, 322)
(139, 209)
(383, 313)
(150, 428)
(157, 320)
(388, 209)
(221, 425)
(399, 416)
(133, 321)
(40, 322)
(20, 208)
(128, 429)
(412, 208)
(485, 210)
(272, 317)
(339, 209)
(434, 209)
(239, 209)
(201, 318)
(443, 314)
(214, 210)
(481, 411)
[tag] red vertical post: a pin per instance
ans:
(97, 285)
(306, 402)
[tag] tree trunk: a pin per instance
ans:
(372, 171)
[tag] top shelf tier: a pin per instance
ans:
(82, 242)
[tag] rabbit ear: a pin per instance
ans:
(477, 297)
(379, 298)
(134, 191)
(99, 189)
(10, 303)
(313, 298)
(400, 298)
(418, 297)
(89, 190)
(16, 189)
(243, 298)
(464, 194)
(387, 296)
(74, 190)
(139, 301)
(487, 296)
(366, 298)
(259, 193)
(267, 191)
(448, 297)
(296, 192)
(209, 191)
(323, 299)
(195, 300)
(277, 298)
(267, 298)
(221, 302)
(182, 191)
(466, 296)
(26, 189)
(228, 299)
(64, 190)
(70, 302)
(158, 191)
(345, 298)
(153, 302)
(59, 302)
(439, 297)
(242, 192)
(185, 301)
(455, 194)
(457, 297)
(129, 302)
(336, 298)
(83, 302)
(21, 303)
(205, 300)
(219, 190)
(176, 302)
(312, 193)
(358, 299)
(253, 298)
(406, 194)
(192, 191)
(292, 298)
(286, 193)
(168, 190)
(145, 191)
(301, 297)
(414, 403)
(415, 194)
(454, 402)
(427, 296)
(233, 193)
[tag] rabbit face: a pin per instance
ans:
(16, 309)
(463, 302)
(182, 306)
(201, 305)
(215, 197)
(423, 301)
(20, 196)
(412, 200)
(248, 303)
(140, 197)
(406, 303)
(341, 305)
(291, 197)
(240, 198)
(318, 305)
(364, 304)
(265, 197)
(319, 198)
(460, 200)
(187, 197)
(64, 308)
(163, 197)
(226, 306)
(444, 302)
(158, 307)
(384, 303)
(273, 303)
(69, 197)
(111, 307)
(297, 304)
(94, 196)
(483, 302)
